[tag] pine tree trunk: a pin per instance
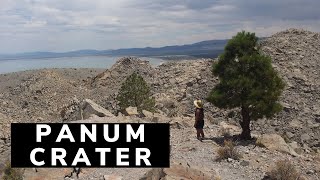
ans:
(245, 124)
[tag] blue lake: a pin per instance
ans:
(7, 66)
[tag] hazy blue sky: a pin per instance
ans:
(64, 25)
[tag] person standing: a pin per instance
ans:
(199, 119)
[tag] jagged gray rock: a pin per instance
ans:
(83, 110)
(89, 107)
(131, 111)
(147, 113)
(275, 142)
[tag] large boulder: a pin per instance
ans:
(276, 143)
(89, 107)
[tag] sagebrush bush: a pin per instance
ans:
(11, 173)
(224, 132)
(284, 170)
(228, 151)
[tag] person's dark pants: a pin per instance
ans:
(199, 127)
(200, 133)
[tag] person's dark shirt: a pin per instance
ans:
(199, 114)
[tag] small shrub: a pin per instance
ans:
(228, 151)
(232, 114)
(11, 173)
(135, 92)
(284, 170)
(259, 143)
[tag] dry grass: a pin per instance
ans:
(284, 170)
(228, 151)
(224, 132)
(259, 144)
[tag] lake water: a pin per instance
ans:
(7, 66)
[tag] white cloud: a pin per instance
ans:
(60, 25)
(35, 24)
(223, 8)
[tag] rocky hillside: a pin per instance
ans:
(175, 85)
(296, 56)
(40, 95)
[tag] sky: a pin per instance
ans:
(66, 25)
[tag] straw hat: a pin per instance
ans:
(198, 103)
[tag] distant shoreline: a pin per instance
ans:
(7, 66)
(50, 57)
(165, 57)
(203, 49)
(17, 65)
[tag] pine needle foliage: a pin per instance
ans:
(135, 92)
(247, 80)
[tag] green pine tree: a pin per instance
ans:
(135, 92)
(247, 80)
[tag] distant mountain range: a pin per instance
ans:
(205, 49)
